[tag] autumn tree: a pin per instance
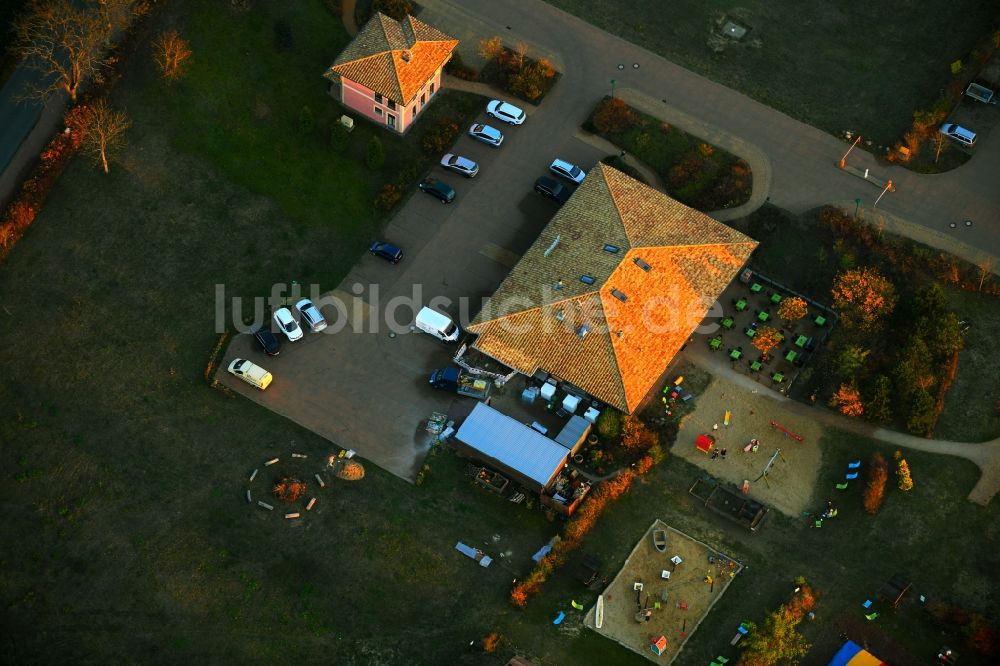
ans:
(863, 297)
(613, 116)
(64, 41)
(490, 49)
(903, 478)
(851, 359)
(636, 436)
(920, 413)
(520, 52)
(105, 133)
(985, 267)
(847, 400)
(766, 339)
(777, 640)
(792, 309)
(878, 475)
(171, 52)
(878, 408)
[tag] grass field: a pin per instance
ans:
(125, 534)
(844, 66)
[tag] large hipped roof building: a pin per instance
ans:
(611, 290)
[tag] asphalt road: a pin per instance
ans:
(804, 172)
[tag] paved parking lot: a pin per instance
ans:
(367, 391)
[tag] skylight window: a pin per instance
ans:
(611, 249)
(620, 295)
(587, 279)
(642, 264)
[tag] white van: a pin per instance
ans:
(251, 373)
(439, 325)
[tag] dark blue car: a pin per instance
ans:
(386, 251)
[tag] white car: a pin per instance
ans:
(251, 373)
(283, 318)
(505, 112)
(568, 171)
(311, 315)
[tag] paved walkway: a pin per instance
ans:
(985, 455)
(802, 160)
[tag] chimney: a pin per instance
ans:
(406, 55)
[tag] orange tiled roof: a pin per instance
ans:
(614, 337)
(393, 58)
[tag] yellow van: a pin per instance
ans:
(250, 373)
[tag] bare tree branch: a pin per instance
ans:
(171, 51)
(105, 133)
(63, 41)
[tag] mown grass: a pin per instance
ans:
(125, 532)
(839, 67)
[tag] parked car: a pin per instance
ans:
(311, 315)
(459, 164)
(505, 112)
(283, 318)
(438, 189)
(250, 373)
(959, 133)
(486, 134)
(386, 251)
(568, 171)
(551, 189)
(267, 340)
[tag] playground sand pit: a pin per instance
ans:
(790, 480)
(688, 596)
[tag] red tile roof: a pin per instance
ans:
(393, 58)
(614, 337)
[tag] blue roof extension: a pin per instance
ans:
(512, 443)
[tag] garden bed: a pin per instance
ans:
(695, 173)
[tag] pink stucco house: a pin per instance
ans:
(391, 69)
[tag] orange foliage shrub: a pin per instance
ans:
(636, 436)
(878, 475)
(644, 465)
(491, 642)
(792, 308)
(863, 296)
(847, 400)
(613, 116)
(766, 339)
(903, 479)
(577, 527)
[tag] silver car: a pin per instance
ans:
(311, 315)
(568, 171)
(459, 164)
(486, 134)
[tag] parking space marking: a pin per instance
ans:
(499, 254)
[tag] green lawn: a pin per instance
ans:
(125, 534)
(838, 66)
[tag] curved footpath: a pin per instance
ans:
(985, 455)
(794, 165)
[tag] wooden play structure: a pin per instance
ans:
(730, 503)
